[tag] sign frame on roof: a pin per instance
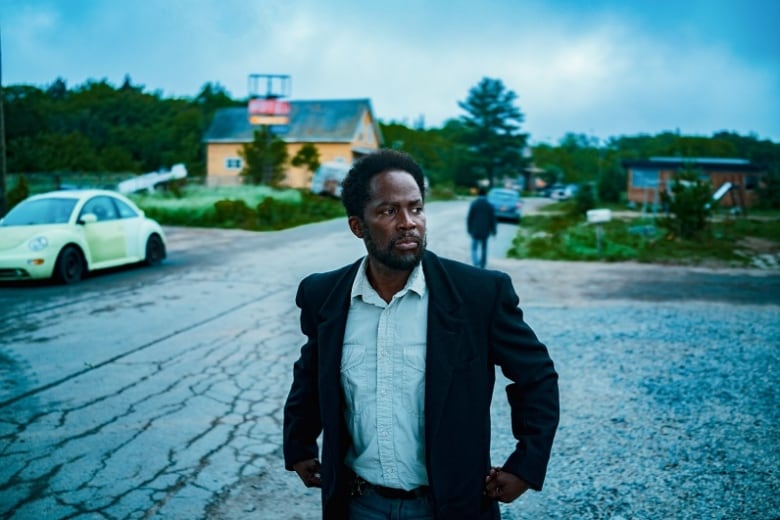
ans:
(266, 106)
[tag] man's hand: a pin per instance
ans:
(504, 486)
(309, 471)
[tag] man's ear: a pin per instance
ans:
(356, 226)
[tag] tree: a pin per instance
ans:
(689, 203)
(612, 181)
(493, 130)
(212, 97)
(18, 192)
(264, 158)
(434, 149)
(307, 156)
(57, 90)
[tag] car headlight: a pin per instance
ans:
(38, 244)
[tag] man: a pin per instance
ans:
(481, 223)
(398, 369)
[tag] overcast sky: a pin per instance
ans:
(603, 68)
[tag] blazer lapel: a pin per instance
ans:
(330, 333)
(445, 326)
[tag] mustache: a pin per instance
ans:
(409, 236)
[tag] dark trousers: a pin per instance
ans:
(372, 506)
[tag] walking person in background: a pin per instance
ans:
(398, 370)
(481, 223)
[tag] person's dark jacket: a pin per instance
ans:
(481, 220)
(474, 323)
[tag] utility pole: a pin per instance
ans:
(3, 198)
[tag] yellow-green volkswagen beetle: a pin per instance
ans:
(65, 234)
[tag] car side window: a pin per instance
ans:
(125, 211)
(102, 207)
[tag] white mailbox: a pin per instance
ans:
(597, 216)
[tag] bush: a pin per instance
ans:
(584, 200)
(276, 214)
(234, 213)
(769, 190)
(689, 205)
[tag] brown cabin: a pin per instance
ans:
(648, 179)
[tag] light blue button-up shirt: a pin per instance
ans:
(383, 377)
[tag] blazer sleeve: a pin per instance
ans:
(302, 423)
(533, 393)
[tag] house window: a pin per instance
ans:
(233, 163)
(644, 178)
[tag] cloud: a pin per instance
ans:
(600, 68)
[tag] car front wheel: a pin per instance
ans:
(70, 266)
(155, 250)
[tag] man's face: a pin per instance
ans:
(393, 224)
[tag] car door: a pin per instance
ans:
(105, 237)
(132, 223)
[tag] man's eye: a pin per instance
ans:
(388, 211)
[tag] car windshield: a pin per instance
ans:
(502, 195)
(40, 211)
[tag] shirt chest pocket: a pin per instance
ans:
(355, 375)
(413, 377)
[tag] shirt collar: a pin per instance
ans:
(361, 287)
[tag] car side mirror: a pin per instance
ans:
(88, 218)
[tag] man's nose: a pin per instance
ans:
(407, 220)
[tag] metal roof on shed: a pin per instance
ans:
(711, 163)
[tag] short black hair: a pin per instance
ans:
(355, 188)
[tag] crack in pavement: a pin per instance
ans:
(129, 452)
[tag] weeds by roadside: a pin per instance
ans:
(556, 234)
(735, 242)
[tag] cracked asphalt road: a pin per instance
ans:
(158, 392)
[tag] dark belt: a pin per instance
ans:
(359, 485)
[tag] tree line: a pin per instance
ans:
(99, 128)
(96, 127)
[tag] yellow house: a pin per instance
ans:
(340, 129)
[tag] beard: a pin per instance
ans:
(388, 257)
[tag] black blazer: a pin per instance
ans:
(474, 324)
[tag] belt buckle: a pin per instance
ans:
(357, 487)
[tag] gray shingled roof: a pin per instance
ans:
(310, 121)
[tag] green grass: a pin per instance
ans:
(258, 208)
